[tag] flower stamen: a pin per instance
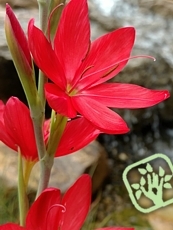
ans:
(110, 71)
(54, 206)
(85, 70)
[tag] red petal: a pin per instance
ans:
(103, 118)
(126, 95)
(77, 202)
(19, 34)
(59, 100)
(2, 107)
(19, 126)
(44, 56)
(78, 133)
(108, 50)
(11, 226)
(72, 39)
(43, 211)
(5, 138)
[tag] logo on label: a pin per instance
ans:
(150, 187)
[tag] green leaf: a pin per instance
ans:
(142, 181)
(142, 171)
(167, 185)
(167, 178)
(138, 194)
(149, 168)
(135, 186)
(161, 171)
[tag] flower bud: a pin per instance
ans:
(18, 46)
(17, 43)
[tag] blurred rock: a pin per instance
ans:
(161, 219)
(92, 159)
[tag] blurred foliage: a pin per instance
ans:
(8, 205)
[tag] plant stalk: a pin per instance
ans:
(22, 196)
(45, 162)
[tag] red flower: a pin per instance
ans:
(79, 70)
(51, 212)
(16, 129)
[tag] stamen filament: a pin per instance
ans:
(54, 206)
(140, 56)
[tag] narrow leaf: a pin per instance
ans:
(167, 185)
(149, 168)
(161, 171)
(167, 178)
(142, 181)
(138, 194)
(155, 180)
(142, 171)
(135, 186)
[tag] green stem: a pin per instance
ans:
(58, 124)
(37, 115)
(45, 167)
(56, 130)
(43, 21)
(46, 163)
(46, 158)
(42, 79)
(22, 196)
(45, 170)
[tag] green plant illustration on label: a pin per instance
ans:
(149, 185)
(154, 181)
